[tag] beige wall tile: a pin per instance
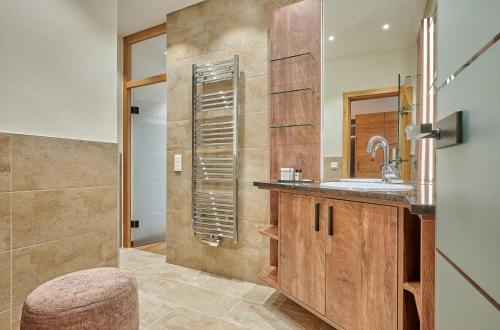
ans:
(179, 195)
(42, 216)
(37, 264)
(179, 135)
(185, 174)
(254, 164)
(49, 163)
(189, 42)
(328, 172)
(5, 162)
(252, 202)
(179, 107)
(254, 130)
(179, 226)
(5, 320)
(5, 285)
(256, 96)
(16, 317)
(5, 221)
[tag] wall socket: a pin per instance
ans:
(334, 165)
(177, 163)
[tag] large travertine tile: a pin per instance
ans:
(179, 195)
(51, 163)
(249, 233)
(179, 318)
(5, 222)
(182, 275)
(189, 42)
(42, 216)
(185, 174)
(5, 320)
(204, 301)
(253, 202)
(179, 135)
(179, 104)
(37, 264)
(256, 94)
(240, 28)
(253, 316)
(151, 309)
(5, 285)
(179, 226)
(16, 316)
(255, 130)
(136, 260)
(238, 289)
(154, 285)
(5, 162)
(254, 164)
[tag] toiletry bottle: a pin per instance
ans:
(300, 175)
(297, 175)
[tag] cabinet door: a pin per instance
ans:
(361, 265)
(302, 249)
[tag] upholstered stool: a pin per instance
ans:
(100, 298)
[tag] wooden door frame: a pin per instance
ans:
(128, 84)
(348, 97)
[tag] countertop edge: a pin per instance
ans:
(311, 188)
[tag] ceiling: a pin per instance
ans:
(357, 25)
(138, 15)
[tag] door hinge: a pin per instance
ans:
(134, 110)
(134, 224)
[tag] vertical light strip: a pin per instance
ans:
(431, 96)
(424, 103)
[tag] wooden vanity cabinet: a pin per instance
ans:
(340, 259)
(361, 265)
(302, 249)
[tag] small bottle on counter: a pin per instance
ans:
(300, 175)
(297, 175)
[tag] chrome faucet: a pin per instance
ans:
(388, 170)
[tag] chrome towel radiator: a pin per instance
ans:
(215, 151)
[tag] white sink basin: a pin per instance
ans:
(362, 180)
(366, 186)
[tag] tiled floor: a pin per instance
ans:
(158, 248)
(173, 297)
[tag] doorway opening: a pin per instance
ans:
(368, 113)
(144, 140)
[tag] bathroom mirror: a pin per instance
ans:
(370, 59)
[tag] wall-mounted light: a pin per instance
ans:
(331, 38)
(386, 26)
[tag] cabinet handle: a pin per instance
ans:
(316, 217)
(330, 220)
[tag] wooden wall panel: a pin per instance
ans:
(294, 73)
(295, 43)
(292, 28)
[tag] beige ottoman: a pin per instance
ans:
(101, 298)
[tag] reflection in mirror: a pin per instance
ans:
(370, 66)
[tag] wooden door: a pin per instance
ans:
(368, 125)
(361, 265)
(302, 249)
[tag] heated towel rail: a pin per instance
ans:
(215, 151)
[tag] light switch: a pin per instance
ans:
(177, 163)
(334, 165)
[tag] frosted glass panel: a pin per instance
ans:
(148, 57)
(149, 136)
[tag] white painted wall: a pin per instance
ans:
(367, 71)
(58, 68)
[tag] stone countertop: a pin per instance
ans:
(420, 200)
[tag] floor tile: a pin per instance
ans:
(185, 319)
(253, 316)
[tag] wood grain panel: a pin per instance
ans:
(295, 29)
(303, 156)
(361, 266)
(293, 135)
(291, 74)
(427, 272)
(302, 248)
(293, 108)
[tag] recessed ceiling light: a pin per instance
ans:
(386, 26)
(331, 38)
